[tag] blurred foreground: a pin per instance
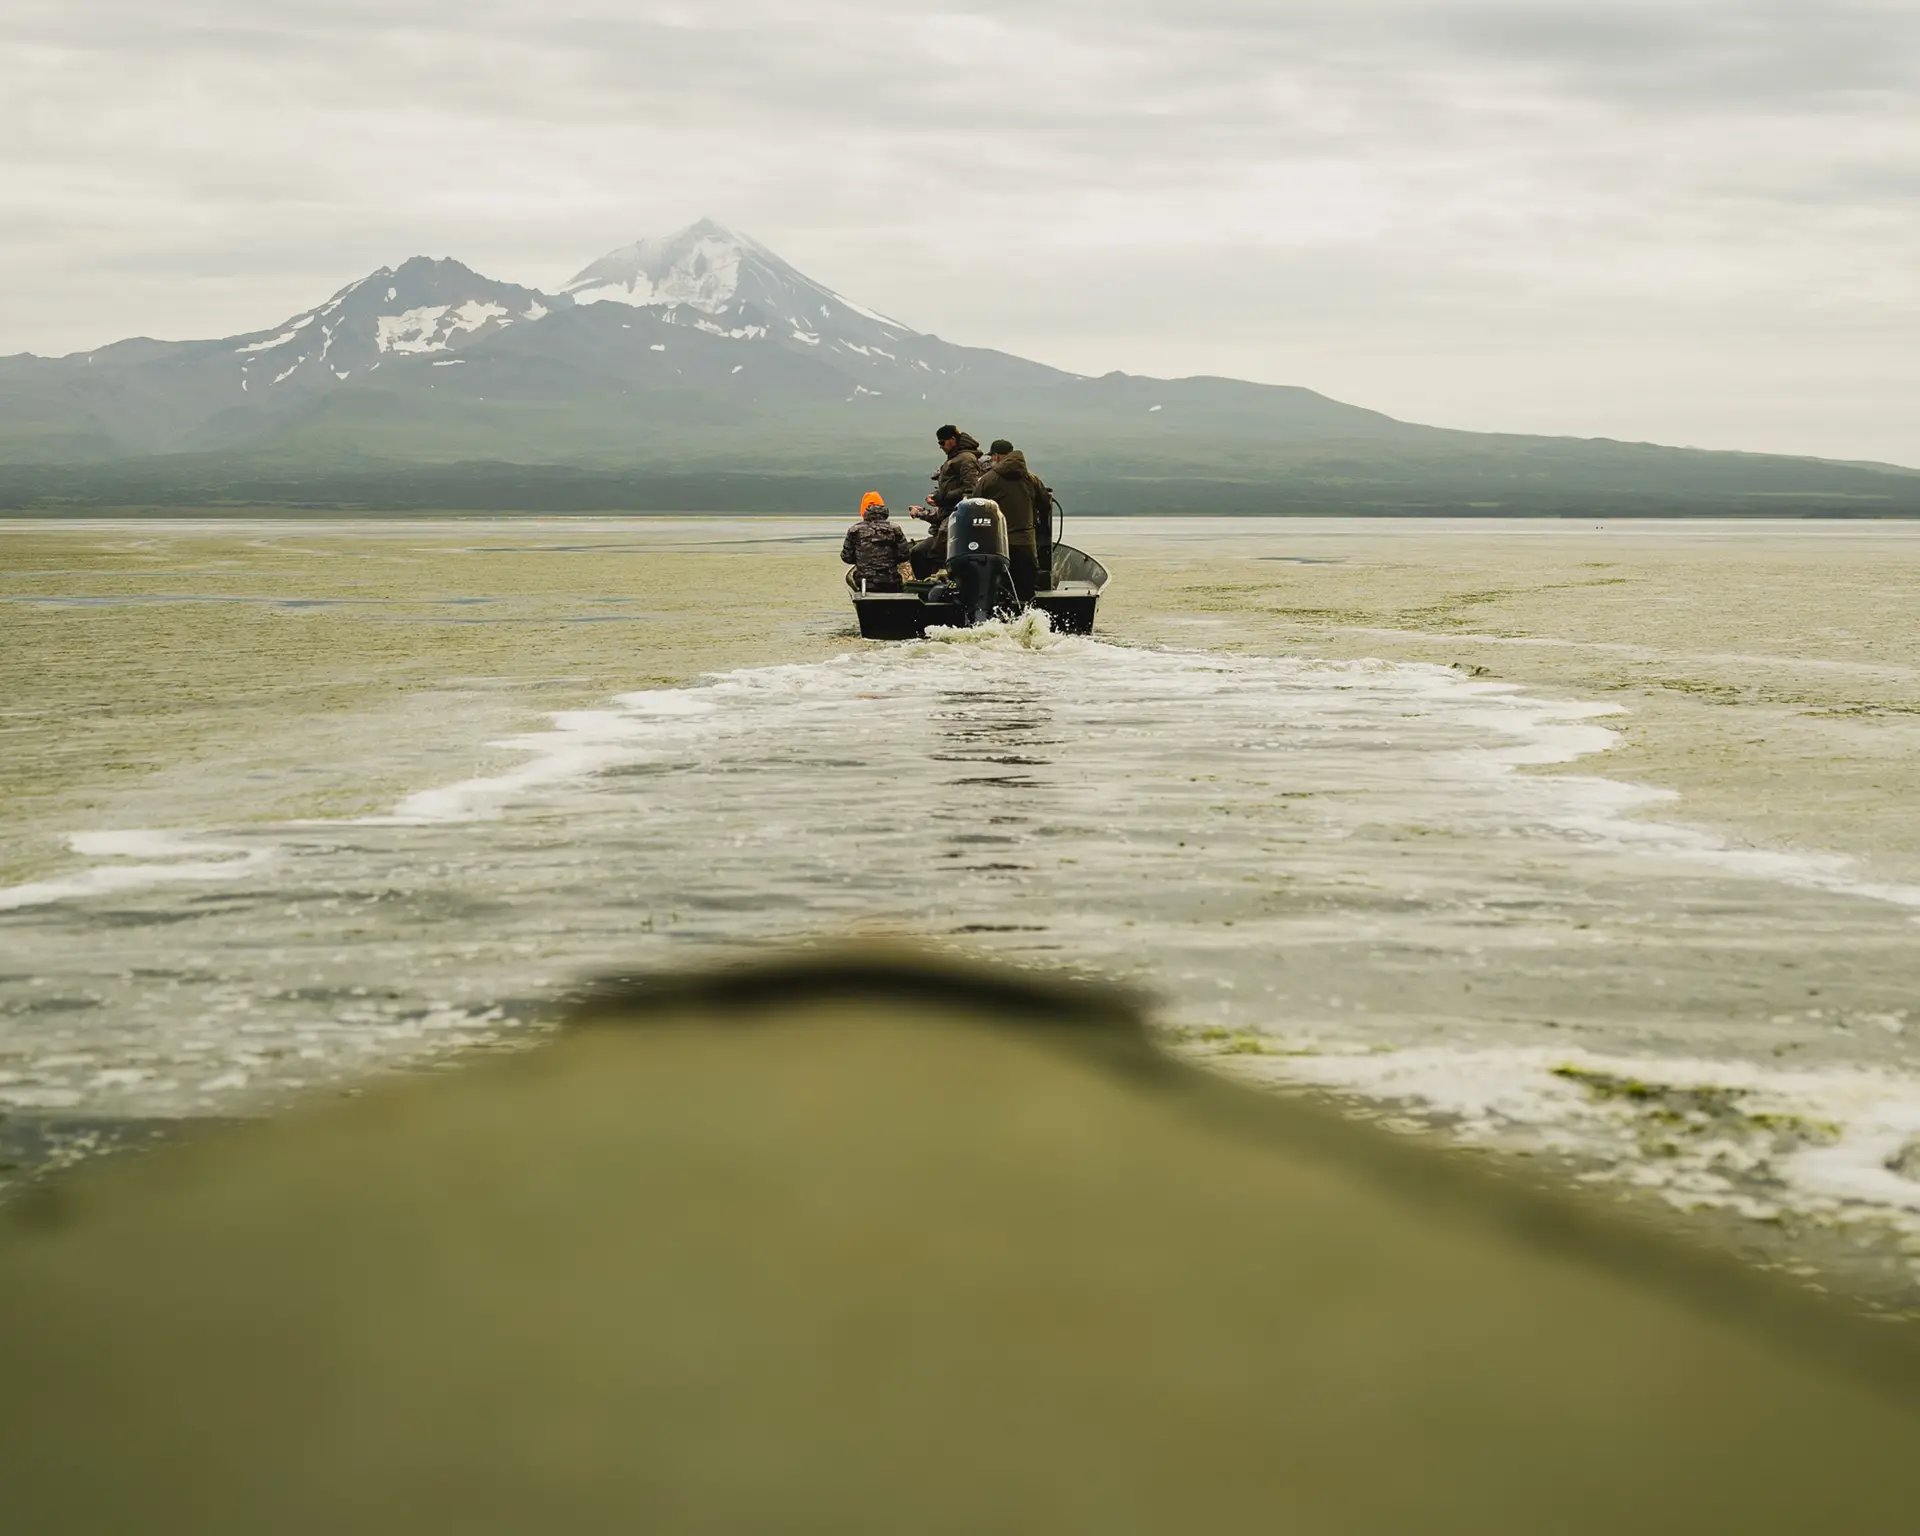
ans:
(873, 1242)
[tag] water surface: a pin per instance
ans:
(1338, 872)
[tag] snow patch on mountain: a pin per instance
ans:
(412, 331)
(270, 343)
(735, 333)
(432, 327)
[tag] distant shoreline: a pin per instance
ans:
(269, 513)
(1579, 482)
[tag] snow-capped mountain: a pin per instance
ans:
(145, 396)
(707, 267)
(418, 308)
(730, 331)
(734, 285)
(727, 285)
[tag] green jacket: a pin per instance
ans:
(953, 482)
(1011, 485)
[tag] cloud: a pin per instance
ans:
(1422, 204)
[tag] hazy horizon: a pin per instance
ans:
(1684, 228)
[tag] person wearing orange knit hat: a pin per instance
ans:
(875, 547)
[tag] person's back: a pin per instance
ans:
(875, 547)
(1007, 481)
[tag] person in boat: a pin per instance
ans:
(953, 483)
(875, 547)
(1007, 482)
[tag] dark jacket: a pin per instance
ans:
(953, 481)
(874, 547)
(1009, 484)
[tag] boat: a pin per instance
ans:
(978, 585)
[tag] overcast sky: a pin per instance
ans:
(1694, 221)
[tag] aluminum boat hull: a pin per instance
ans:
(1070, 603)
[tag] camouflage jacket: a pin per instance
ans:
(874, 547)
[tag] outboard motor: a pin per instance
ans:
(977, 561)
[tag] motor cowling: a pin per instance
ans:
(977, 560)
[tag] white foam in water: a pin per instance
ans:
(1540, 732)
(584, 742)
(182, 851)
(1814, 871)
(1031, 631)
(143, 843)
(664, 722)
(1720, 1133)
